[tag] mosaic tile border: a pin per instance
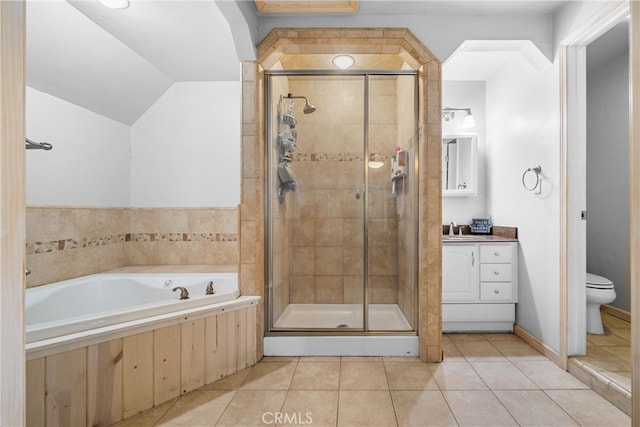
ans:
(322, 157)
(85, 242)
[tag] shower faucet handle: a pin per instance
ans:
(357, 194)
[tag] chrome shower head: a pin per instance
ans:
(308, 108)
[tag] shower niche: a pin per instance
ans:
(341, 223)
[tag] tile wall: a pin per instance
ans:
(67, 242)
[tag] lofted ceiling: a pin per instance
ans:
(118, 62)
(478, 60)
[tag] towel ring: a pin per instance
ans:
(535, 170)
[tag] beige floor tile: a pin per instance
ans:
(589, 409)
(445, 338)
(270, 376)
(410, 376)
(320, 359)
(198, 408)
(517, 351)
(456, 376)
(455, 338)
(363, 376)
(365, 408)
(451, 353)
(316, 376)
(315, 408)
(478, 408)
(147, 418)
(503, 376)
(422, 408)
(280, 359)
(401, 359)
(249, 407)
(502, 337)
(480, 351)
(534, 408)
(547, 375)
(361, 358)
(232, 382)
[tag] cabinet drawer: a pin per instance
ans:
(495, 272)
(500, 291)
(495, 253)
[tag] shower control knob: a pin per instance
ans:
(357, 194)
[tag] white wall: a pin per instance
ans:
(442, 34)
(89, 162)
(522, 132)
(608, 175)
(466, 94)
(185, 150)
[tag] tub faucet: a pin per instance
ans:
(452, 224)
(210, 290)
(184, 294)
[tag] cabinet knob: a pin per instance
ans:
(497, 273)
(496, 253)
(496, 291)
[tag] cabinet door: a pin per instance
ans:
(459, 273)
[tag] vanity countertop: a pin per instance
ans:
(498, 234)
(475, 238)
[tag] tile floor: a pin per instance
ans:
(485, 380)
(610, 354)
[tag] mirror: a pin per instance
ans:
(459, 168)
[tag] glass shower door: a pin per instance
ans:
(391, 212)
(316, 236)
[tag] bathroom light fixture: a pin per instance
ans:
(376, 161)
(343, 61)
(115, 4)
(469, 122)
(449, 113)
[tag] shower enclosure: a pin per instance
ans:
(341, 203)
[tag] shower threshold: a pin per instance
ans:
(384, 318)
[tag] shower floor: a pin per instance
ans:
(382, 317)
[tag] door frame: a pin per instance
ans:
(572, 56)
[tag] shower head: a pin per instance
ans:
(308, 108)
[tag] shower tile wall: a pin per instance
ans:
(68, 242)
(326, 219)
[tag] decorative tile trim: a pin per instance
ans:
(86, 242)
(332, 157)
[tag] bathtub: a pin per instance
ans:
(98, 301)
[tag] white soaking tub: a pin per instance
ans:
(92, 302)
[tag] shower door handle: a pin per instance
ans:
(357, 194)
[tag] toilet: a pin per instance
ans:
(599, 291)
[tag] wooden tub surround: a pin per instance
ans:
(101, 384)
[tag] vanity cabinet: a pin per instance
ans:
(479, 286)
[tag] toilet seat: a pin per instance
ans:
(598, 282)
